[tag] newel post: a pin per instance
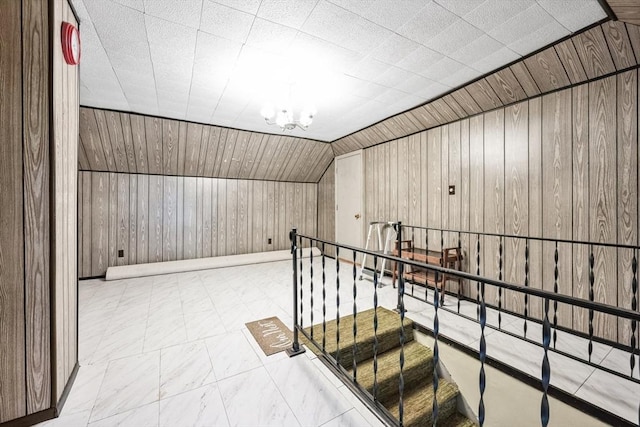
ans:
(295, 349)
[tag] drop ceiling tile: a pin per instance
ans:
(393, 77)
(390, 96)
(459, 34)
(184, 12)
(332, 23)
(492, 13)
(292, 13)
(394, 49)
(459, 7)
(541, 37)
(495, 60)
(476, 49)
(442, 69)
(133, 4)
(225, 22)
(521, 25)
(388, 14)
(420, 60)
(414, 84)
(432, 90)
(248, 6)
(369, 69)
(270, 36)
(310, 50)
(427, 23)
(461, 76)
(574, 14)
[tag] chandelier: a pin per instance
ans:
(284, 117)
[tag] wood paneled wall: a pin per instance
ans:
(155, 218)
(604, 49)
(326, 207)
(64, 256)
(37, 255)
(562, 165)
(122, 142)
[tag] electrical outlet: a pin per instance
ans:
(120, 253)
(452, 190)
(269, 241)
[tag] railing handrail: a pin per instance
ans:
(579, 302)
(533, 238)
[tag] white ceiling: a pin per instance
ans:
(356, 61)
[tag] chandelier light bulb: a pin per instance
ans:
(268, 112)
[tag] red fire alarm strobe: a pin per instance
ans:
(70, 43)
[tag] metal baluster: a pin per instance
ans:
(436, 356)
(295, 348)
(500, 279)
(442, 264)
(426, 245)
(400, 266)
(459, 283)
(338, 283)
(402, 342)
(311, 298)
(555, 290)
(338, 318)
(634, 307)
(546, 368)
(324, 304)
(478, 274)
(301, 292)
(375, 328)
(591, 297)
(355, 313)
(483, 351)
(526, 284)
(413, 245)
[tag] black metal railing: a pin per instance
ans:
(366, 294)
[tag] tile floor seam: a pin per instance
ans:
(282, 395)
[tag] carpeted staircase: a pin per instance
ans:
(417, 371)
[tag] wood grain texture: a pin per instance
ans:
(627, 188)
(580, 121)
(505, 84)
(594, 53)
(535, 202)
(557, 191)
(626, 10)
(602, 192)
(156, 202)
(122, 142)
(484, 95)
(36, 168)
(466, 101)
(169, 218)
(516, 207)
(476, 172)
(13, 393)
(547, 70)
(571, 61)
(142, 222)
(634, 38)
(433, 202)
(444, 173)
(615, 32)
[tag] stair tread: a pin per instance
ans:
(418, 404)
(387, 332)
(418, 369)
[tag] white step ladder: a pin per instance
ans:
(380, 227)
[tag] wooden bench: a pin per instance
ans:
(447, 257)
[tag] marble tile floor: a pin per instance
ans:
(173, 350)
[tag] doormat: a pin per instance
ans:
(271, 334)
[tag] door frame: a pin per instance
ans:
(359, 153)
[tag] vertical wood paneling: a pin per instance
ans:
(116, 136)
(557, 188)
(602, 195)
(476, 169)
(192, 150)
(222, 217)
(170, 133)
(206, 217)
(464, 201)
(130, 149)
(113, 218)
(580, 120)
(434, 181)
(493, 194)
(257, 226)
(142, 226)
(153, 132)
(156, 195)
(36, 158)
(214, 217)
(190, 218)
(455, 179)
(139, 141)
(199, 216)
(326, 200)
(444, 173)
(169, 218)
(627, 206)
(414, 186)
(85, 254)
(133, 219)
(243, 213)
(122, 232)
(99, 222)
(12, 303)
(516, 149)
